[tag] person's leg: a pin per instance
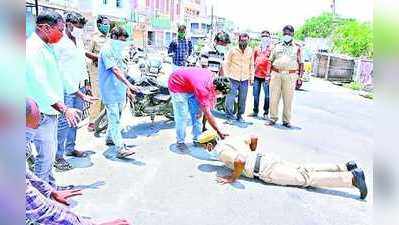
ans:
(288, 89)
(242, 98)
(63, 128)
(275, 95)
(45, 141)
(113, 131)
(325, 167)
(230, 99)
(267, 97)
(195, 113)
(256, 94)
(95, 108)
(285, 174)
(71, 134)
(180, 112)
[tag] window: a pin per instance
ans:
(118, 3)
(105, 2)
(194, 26)
(203, 26)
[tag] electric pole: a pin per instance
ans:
(333, 8)
(212, 21)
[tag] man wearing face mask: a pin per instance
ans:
(72, 65)
(98, 40)
(113, 86)
(45, 86)
(212, 56)
(286, 58)
(262, 74)
(239, 67)
(181, 48)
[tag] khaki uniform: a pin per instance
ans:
(95, 47)
(283, 57)
(275, 171)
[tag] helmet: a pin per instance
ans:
(222, 36)
(222, 84)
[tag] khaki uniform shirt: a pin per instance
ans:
(95, 46)
(238, 65)
(285, 56)
(227, 153)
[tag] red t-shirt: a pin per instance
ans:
(262, 63)
(194, 80)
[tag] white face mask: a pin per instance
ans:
(287, 38)
(265, 42)
(77, 32)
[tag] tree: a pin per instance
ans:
(317, 27)
(354, 38)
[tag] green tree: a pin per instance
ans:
(317, 27)
(354, 38)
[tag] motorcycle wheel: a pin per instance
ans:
(101, 123)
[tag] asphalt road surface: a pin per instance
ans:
(159, 185)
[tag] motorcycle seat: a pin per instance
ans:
(162, 97)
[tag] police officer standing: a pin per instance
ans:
(287, 64)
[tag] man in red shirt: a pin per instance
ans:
(193, 92)
(262, 74)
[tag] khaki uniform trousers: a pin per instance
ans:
(95, 108)
(317, 175)
(282, 85)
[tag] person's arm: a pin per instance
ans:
(91, 56)
(43, 187)
(86, 98)
(208, 115)
(227, 62)
(171, 48)
(239, 165)
(121, 76)
(300, 62)
(190, 47)
(71, 114)
(251, 69)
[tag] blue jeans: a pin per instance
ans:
(66, 136)
(45, 140)
(114, 113)
(183, 105)
(239, 88)
(257, 88)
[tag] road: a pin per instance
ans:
(161, 186)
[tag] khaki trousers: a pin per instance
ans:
(95, 108)
(282, 85)
(322, 175)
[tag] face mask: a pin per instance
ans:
(53, 36)
(287, 38)
(266, 41)
(221, 49)
(243, 44)
(77, 32)
(181, 35)
(104, 28)
(118, 46)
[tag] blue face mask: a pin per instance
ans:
(118, 46)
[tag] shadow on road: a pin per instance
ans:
(95, 185)
(220, 172)
(111, 153)
(195, 152)
(146, 129)
(334, 192)
(81, 162)
(281, 127)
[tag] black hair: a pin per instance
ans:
(117, 32)
(222, 36)
(71, 17)
(222, 84)
(49, 17)
(289, 28)
(265, 32)
(243, 35)
(101, 18)
(181, 27)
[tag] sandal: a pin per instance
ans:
(125, 152)
(62, 165)
(76, 153)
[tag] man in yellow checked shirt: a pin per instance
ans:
(244, 160)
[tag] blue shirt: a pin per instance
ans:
(112, 90)
(42, 77)
(181, 49)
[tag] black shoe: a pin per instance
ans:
(270, 123)
(351, 165)
(359, 181)
(287, 125)
(253, 114)
(109, 142)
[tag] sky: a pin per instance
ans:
(274, 14)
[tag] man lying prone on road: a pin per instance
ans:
(245, 160)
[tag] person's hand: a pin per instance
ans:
(223, 135)
(130, 95)
(62, 196)
(251, 82)
(90, 99)
(133, 88)
(225, 180)
(116, 222)
(72, 116)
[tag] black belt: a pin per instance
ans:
(257, 165)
